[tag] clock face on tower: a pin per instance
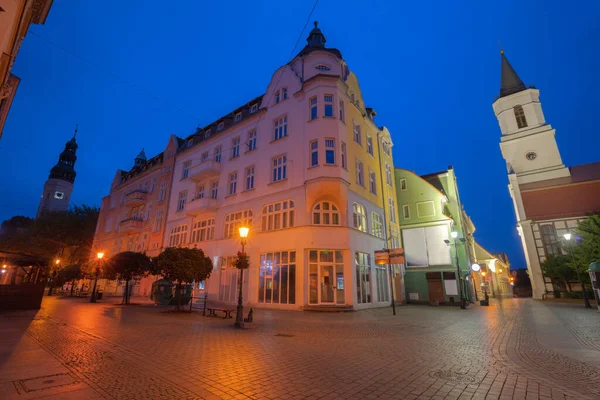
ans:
(531, 156)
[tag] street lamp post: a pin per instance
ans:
(93, 296)
(54, 273)
(239, 316)
(454, 235)
(586, 301)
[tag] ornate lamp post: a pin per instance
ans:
(93, 296)
(242, 263)
(454, 235)
(586, 301)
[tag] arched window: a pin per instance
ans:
(203, 230)
(326, 213)
(520, 117)
(278, 215)
(234, 220)
(178, 236)
(359, 217)
(377, 224)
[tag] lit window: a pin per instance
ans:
(250, 178)
(363, 277)
(279, 168)
(314, 112)
(181, 201)
(234, 220)
(214, 191)
(235, 147)
(218, 154)
(376, 224)
(233, 183)
(372, 182)
(329, 151)
(221, 126)
(314, 153)
(326, 213)
(280, 128)
(344, 160)
(252, 140)
(186, 169)
(178, 236)
(238, 117)
(277, 278)
(520, 117)
(360, 173)
(342, 113)
(277, 216)
(203, 231)
(357, 134)
(328, 105)
(359, 217)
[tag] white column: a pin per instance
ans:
(533, 262)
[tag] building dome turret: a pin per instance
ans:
(316, 37)
(140, 159)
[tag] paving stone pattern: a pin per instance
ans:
(144, 352)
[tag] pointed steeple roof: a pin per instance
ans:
(316, 41)
(510, 82)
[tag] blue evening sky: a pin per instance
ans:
(429, 68)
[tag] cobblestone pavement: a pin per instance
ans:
(514, 349)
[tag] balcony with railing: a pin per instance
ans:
(204, 170)
(200, 205)
(134, 224)
(136, 197)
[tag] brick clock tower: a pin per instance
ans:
(59, 186)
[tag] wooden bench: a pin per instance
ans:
(212, 311)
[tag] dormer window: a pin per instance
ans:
(221, 126)
(190, 142)
(322, 67)
(253, 108)
(238, 117)
(207, 134)
(520, 117)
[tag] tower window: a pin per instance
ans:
(520, 117)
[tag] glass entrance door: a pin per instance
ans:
(327, 284)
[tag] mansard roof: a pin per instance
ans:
(203, 133)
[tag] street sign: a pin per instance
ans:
(382, 257)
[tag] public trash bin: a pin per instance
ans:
(594, 272)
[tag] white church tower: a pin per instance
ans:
(529, 147)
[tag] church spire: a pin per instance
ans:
(509, 80)
(65, 167)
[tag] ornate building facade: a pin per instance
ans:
(59, 186)
(549, 198)
(15, 18)
(308, 170)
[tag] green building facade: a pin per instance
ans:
(430, 210)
